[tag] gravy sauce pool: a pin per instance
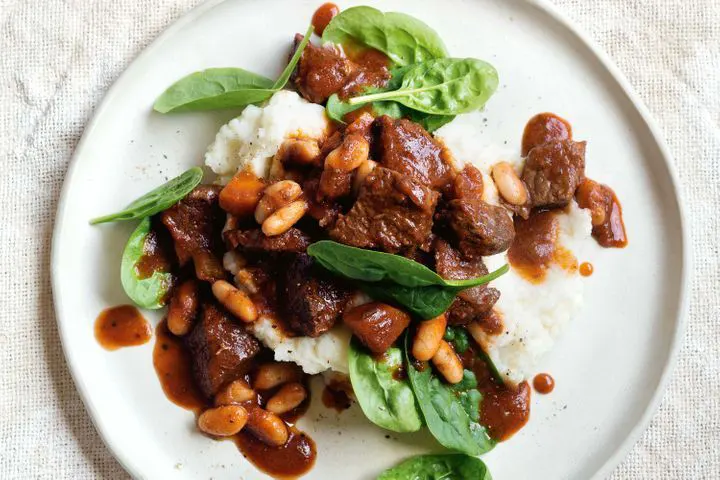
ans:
(154, 258)
(544, 128)
(122, 326)
(323, 15)
(535, 247)
(291, 460)
(608, 226)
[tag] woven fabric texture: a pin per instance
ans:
(57, 59)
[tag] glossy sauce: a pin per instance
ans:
(543, 383)
(586, 269)
(122, 326)
(155, 256)
(323, 15)
(608, 226)
(535, 247)
(336, 398)
(172, 365)
(293, 459)
(372, 69)
(544, 128)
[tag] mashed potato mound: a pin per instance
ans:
(253, 138)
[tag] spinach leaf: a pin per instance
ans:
(336, 109)
(444, 414)
(217, 88)
(371, 266)
(148, 292)
(438, 467)
(405, 39)
(387, 402)
(444, 86)
(157, 200)
(458, 336)
(423, 302)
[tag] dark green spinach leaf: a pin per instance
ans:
(423, 302)
(290, 67)
(148, 292)
(438, 467)
(444, 86)
(386, 401)
(405, 39)
(157, 200)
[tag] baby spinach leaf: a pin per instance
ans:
(443, 412)
(458, 336)
(386, 401)
(423, 302)
(157, 200)
(213, 89)
(443, 86)
(336, 109)
(148, 292)
(404, 39)
(438, 467)
(218, 88)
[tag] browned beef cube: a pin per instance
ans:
(335, 183)
(553, 172)
(322, 209)
(195, 223)
(481, 229)
(294, 240)
(392, 212)
(377, 325)
(321, 72)
(467, 184)
(314, 299)
(406, 147)
(221, 349)
(471, 304)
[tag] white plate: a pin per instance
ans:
(611, 366)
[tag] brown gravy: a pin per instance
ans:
(336, 399)
(323, 15)
(372, 70)
(293, 459)
(155, 257)
(535, 247)
(544, 128)
(173, 368)
(122, 326)
(586, 269)
(543, 383)
(608, 226)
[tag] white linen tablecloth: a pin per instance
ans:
(57, 59)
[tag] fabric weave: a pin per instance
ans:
(60, 56)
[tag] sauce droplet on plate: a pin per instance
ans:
(335, 398)
(323, 15)
(122, 326)
(586, 269)
(543, 383)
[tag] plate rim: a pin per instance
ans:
(545, 6)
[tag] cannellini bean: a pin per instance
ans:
(183, 308)
(299, 151)
(235, 392)
(236, 301)
(270, 375)
(267, 426)
(288, 397)
(223, 421)
(509, 185)
(350, 154)
(448, 363)
(362, 173)
(284, 218)
(276, 196)
(428, 337)
(246, 281)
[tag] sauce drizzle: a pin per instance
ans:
(122, 326)
(323, 15)
(608, 226)
(543, 383)
(586, 269)
(293, 459)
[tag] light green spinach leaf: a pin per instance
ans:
(438, 467)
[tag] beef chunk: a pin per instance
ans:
(335, 183)
(480, 229)
(322, 209)
(553, 172)
(195, 223)
(294, 240)
(221, 349)
(321, 72)
(471, 304)
(314, 299)
(406, 147)
(377, 325)
(468, 184)
(393, 212)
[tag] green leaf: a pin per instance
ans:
(438, 467)
(213, 89)
(148, 292)
(444, 414)
(336, 109)
(386, 401)
(458, 336)
(157, 200)
(423, 302)
(444, 86)
(287, 72)
(404, 39)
